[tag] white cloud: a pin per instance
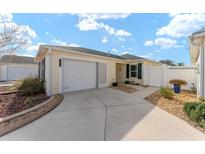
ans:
(148, 43)
(34, 48)
(6, 17)
(60, 42)
(105, 15)
(121, 39)
(122, 33)
(104, 40)
(73, 45)
(182, 25)
(115, 50)
(148, 55)
(125, 52)
(88, 22)
(166, 42)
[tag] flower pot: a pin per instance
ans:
(114, 84)
(177, 88)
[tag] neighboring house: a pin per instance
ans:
(197, 54)
(67, 69)
(14, 67)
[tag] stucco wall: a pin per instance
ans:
(55, 69)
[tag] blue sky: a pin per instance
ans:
(153, 36)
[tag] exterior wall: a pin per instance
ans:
(55, 70)
(121, 71)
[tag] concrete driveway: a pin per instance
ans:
(106, 114)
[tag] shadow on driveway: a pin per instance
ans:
(106, 114)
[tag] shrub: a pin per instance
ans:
(178, 82)
(196, 112)
(30, 86)
(127, 82)
(166, 92)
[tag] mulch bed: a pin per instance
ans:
(34, 113)
(175, 106)
(14, 102)
(126, 88)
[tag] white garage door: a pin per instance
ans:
(21, 72)
(78, 75)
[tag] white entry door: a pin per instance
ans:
(78, 75)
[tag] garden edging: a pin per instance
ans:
(20, 119)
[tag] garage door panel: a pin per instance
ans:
(78, 75)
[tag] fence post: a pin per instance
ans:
(164, 68)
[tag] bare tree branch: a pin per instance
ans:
(11, 38)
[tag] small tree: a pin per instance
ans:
(168, 62)
(180, 64)
(12, 38)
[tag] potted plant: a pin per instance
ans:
(114, 83)
(177, 84)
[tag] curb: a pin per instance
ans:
(17, 120)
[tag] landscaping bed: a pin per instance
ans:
(12, 103)
(20, 119)
(175, 105)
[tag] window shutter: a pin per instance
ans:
(139, 71)
(127, 71)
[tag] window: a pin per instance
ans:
(127, 71)
(133, 71)
(139, 71)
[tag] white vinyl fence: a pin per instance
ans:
(161, 75)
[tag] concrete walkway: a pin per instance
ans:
(106, 114)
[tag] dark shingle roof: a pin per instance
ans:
(17, 59)
(131, 57)
(85, 50)
(199, 31)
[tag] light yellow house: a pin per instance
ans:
(197, 54)
(67, 69)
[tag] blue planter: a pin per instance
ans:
(177, 88)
